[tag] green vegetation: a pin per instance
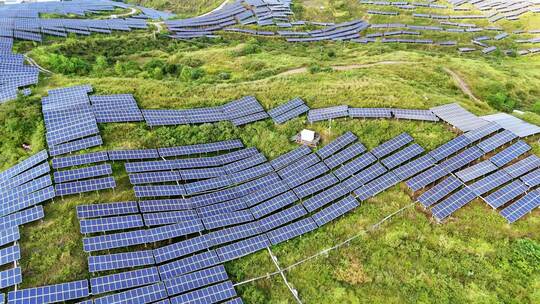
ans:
(183, 9)
(474, 258)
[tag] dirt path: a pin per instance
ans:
(342, 67)
(216, 9)
(132, 12)
(462, 85)
(33, 63)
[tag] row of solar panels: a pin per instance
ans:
(345, 111)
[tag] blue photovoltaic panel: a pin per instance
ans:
(189, 264)
(193, 174)
(246, 163)
(124, 280)
(242, 248)
(286, 107)
(273, 204)
(107, 209)
(76, 145)
(282, 217)
(116, 240)
(201, 148)
(24, 177)
(335, 210)
(82, 173)
(154, 177)
(523, 166)
(51, 293)
(402, 156)
(327, 113)
(453, 203)
(291, 114)
(207, 185)
(123, 222)
(10, 277)
(506, 194)
(370, 113)
(481, 132)
(496, 141)
(208, 295)
(159, 190)
(291, 230)
(182, 248)
(376, 186)
(301, 164)
(22, 217)
(234, 301)
(476, 171)
(236, 155)
(9, 235)
(460, 160)
(141, 295)
(172, 231)
(315, 185)
(345, 155)
(234, 233)
(26, 201)
(120, 260)
(9, 255)
(391, 145)
(336, 145)
(196, 280)
(414, 167)
(509, 154)
(170, 217)
(325, 197)
(12, 195)
(306, 175)
(221, 208)
(490, 182)
(523, 206)
(355, 165)
(26, 164)
(133, 154)
(449, 148)
(439, 191)
(365, 176)
(227, 219)
(289, 157)
(532, 179)
(85, 186)
(165, 205)
(77, 160)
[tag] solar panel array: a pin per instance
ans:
(458, 117)
(115, 108)
(328, 113)
(289, 110)
(14, 74)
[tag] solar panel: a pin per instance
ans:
(85, 186)
(315, 185)
(77, 160)
(172, 231)
(120, 260)
(106, 209)
(476, 171)
(447, 149)
(27, 201)
(211, 294)
(242, 248)
(82, 173)
(462, 159)
(391, 145)
(227, 219)
(124, 280)
(9, 255)
(345, 155)
(523, 206)
(291, 114)
(506, 194)
(224, 207)
(364, 176)
(207, 185)
(154, 177)
(196, 174)
(453, 203)
(335, 210)
(426, 115)
(182, 248)
(9, 235)
(439, 191)
(414, 167)
(490, 182)
(509, 154)
(523, 166)
(496, 141)
(402, 156)
(370, 113)
(306, 175)
(164, 205)
(116, 240)
(201, 148)
(51, 293)
(355, 165)
(376, 186)
(196, 280)
(460, 118)
(141, 295)
(133, 154)
(336, 145)
(298, 165)
(189, 264)
(11, 195)
(286, 107)
(327, 113)
(159, 190)
(532, 179)
(234, 301)
(291, 230)
(234, 233)
(24, 177)
(123, 222)
(243, 164)
(169, 217)
(26, 164)
(236, 155)
(479, 133)
(76, 145)
(22, 217)
(10, 277)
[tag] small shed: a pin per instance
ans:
(307, 137)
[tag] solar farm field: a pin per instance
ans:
(148, 152)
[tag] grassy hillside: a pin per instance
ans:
(181, 8)
(473, 258)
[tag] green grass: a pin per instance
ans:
(475, 257)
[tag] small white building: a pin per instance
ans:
(307, 137)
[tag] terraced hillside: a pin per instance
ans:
(387, 242)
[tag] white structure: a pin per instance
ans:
(307, 135)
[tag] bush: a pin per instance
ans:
(536, 107)
(501, 101)
(224, 76)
